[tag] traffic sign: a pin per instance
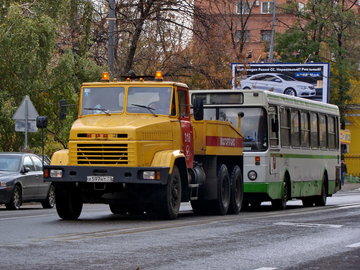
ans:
(26, 110)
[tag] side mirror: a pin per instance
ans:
(63, 106)
(41, 121)
(25, 169)
(198, 108)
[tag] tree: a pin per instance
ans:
(325, 31)
(37, 60)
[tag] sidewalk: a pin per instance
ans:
(350, 186)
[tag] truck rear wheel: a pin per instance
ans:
(168, 199)
(222, 203)
(68, 203)
(237, 190)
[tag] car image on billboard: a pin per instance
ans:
(279, 83)
(306, 80)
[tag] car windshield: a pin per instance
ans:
(102, 100)
(154, 100)
(10, 163)
(286, 77)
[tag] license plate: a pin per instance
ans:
(100, 179)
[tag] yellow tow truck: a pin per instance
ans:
(136, 147)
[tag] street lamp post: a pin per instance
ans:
(272, 39)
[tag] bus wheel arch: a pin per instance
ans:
(320, 200)
(280, 204)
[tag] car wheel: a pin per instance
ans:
(15, 200)
(50, 199)
(290, 92)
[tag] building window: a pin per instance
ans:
(265, 35)
(267, 7)
(243, 7)
(242, 36)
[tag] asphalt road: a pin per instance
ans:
(297, 238)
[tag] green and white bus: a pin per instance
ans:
(291, 144)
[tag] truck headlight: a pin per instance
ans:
(252, 175)
(56, 173)
(151, 175)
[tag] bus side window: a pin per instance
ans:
(274, 126)
(331, 132)
(295, 128)
(285, 129)
(305, 129)
(314, 130)
(322, 131)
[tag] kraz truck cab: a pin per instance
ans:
(136, 147)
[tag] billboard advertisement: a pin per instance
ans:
(310, 80)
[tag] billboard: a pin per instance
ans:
(310, 80)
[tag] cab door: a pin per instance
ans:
(186, 126)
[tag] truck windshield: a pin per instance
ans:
(154, 100)
(253, 126)
(102, 100)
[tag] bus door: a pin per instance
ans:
(274, 130)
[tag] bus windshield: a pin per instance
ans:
(102, 100)
(253, 126)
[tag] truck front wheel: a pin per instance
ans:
(168, 197)
(68, 203)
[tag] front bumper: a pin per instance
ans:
(79, 174)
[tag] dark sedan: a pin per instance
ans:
(21, 180)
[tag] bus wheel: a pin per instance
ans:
(237, 191)
(280, 204)
(308, 202)
(68, 203)
(168, 197)
(321, 199)
(222, 202)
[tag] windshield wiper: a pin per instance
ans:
(98, 109)
(146, 107)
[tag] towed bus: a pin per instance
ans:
(291, 147)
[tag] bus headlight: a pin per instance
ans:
(252, 175)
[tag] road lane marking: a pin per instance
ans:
(266, 268)
(356, 245)
(309, 225)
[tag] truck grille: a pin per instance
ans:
(102, 153)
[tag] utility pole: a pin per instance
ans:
(272, 40)
(111, 36)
